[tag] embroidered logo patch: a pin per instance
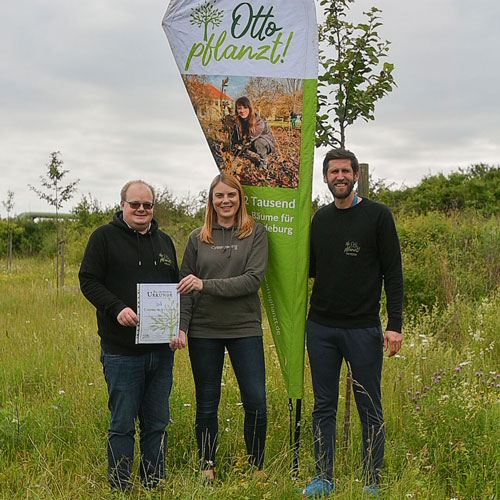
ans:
(165, 259)
(351, 248)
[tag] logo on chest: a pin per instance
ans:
(351, 248)
(165, 259)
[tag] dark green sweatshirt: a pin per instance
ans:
(232, 271)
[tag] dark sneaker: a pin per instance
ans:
(318, 487)
(372, 491)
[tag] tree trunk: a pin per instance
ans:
(62, 255)
(57, 252)
(10, 249)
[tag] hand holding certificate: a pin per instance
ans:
(158, 311)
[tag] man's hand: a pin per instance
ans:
(392, 340)
(178, 342)
(190, 283)
(127, 317)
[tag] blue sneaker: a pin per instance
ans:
(318, 487)
(373, 491)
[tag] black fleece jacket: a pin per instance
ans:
(115, 260)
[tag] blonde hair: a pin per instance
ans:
(243, 220)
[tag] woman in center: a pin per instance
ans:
(223, 267)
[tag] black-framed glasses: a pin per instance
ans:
(137, 204)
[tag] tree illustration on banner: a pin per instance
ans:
(206, 14)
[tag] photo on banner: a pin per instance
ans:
(252, 125)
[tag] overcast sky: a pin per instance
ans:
(96, 80)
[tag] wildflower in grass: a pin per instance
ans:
(61, 391)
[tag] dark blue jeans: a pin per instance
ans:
(362, 348)
(207, 361)
(138, 387)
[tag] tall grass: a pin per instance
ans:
(441, 401)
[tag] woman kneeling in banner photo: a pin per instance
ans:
(223, 266)
(251, 131)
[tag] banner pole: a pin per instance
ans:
(290, 414)
(296, 445)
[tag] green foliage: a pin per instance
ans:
(8, 203)
(56, 194)
(476, 187)
(28, 237)
(446, 257)
(441, 398)
(89, 213)
(178, 217)
(353, 78)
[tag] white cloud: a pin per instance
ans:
(97, 81)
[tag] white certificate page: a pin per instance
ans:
(158, 311)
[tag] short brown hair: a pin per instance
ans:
(340, 154)
(123, 192)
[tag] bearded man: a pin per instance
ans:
(354, 250)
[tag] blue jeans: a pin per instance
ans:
(362, 348)
(207, 361)
(138, 387)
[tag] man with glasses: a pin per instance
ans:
(131, 249)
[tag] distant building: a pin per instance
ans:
(209, 102)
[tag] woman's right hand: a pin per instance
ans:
(178, 342)
(190, 283)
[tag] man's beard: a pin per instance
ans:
(343, 194)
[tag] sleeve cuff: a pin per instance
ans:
(395, 324)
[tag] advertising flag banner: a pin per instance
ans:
(250, 69)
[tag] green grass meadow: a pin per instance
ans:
(441, 401)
